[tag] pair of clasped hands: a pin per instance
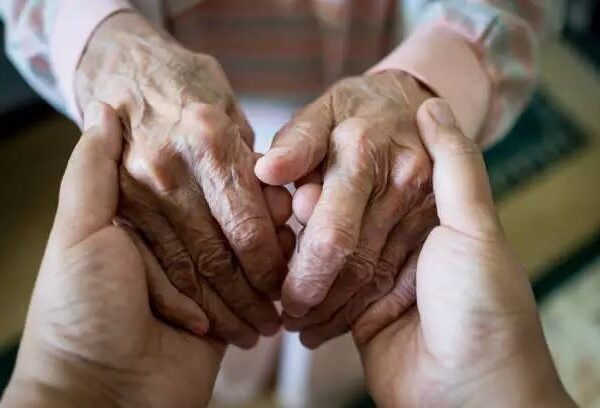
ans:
(473, 337)
(170, 234)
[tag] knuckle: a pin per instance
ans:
(181, 273)
(347, 83)
(207, 124)
(158, 169)
(354, 133)
(248, 234)
(420, 171)
(362, 265)
(208, 60)
(333, 244)
(309, 290)
(384, 276)
(213, 261)
(412, 179)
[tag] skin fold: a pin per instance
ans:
(187, 181)
(364, 193)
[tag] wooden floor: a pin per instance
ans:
(545, 219)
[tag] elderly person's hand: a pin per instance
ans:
(91, 338)
(360, 141)
(474, 337)
(187, 179)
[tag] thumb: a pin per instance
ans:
(89, 188)
(460, 183)
(299, 146)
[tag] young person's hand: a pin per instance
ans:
(91, 338)
(473, 338)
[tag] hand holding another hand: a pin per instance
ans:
(91, 338)
(364, 193)
(474, 337)
(187, 180)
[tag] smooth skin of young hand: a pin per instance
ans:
(91, 338)
(474, 337)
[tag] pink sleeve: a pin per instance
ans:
(75, 23)
(444, 62)
(481, 55)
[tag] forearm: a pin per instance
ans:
(43, 379)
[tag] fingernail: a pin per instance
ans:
(441, 113)
(93, 115)
(198, 328)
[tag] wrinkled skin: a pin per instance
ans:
(364, 192)
(187, 179)
(474, 337)
(91, 338)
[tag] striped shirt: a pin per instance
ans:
(478, 54)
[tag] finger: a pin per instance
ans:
(355, 273)
(299, 146)
(332, 233)
(175, 261)
(460, 182)
(304, 201)
(371, 272)
(406, 237)
(213, 260)
(89, 190)
(287, 240)
(388, 309)
(279, 202)
(167, 301)
(224, 170)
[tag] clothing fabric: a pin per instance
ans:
(478, 54)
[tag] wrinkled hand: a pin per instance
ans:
(187, 179)
(474, 337)
(374, 206)
(91, 338)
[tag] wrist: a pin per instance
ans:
(530, 380)
(448, 64)
(110, 57)
(58, 385)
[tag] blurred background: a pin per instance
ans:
(546, 179)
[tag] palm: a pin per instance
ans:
(444, 341)
(121, 337)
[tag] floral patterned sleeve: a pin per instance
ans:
(504, 35)
(28, 25)
(45, 39)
